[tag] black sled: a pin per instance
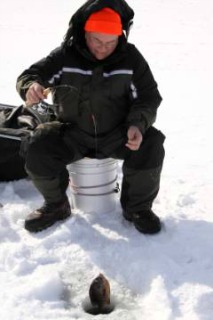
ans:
(16, 125)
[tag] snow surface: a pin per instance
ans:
(164, 277)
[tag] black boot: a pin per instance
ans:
(47, 215)
(145, 221)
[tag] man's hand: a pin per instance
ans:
(134, 138)
(35, 94)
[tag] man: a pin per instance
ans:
(109, 114)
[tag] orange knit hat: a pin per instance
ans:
(104, 21)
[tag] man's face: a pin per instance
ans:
(101, 45)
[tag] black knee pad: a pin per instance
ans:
(151, 152)
(46, 153)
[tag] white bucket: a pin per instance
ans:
(94, 184)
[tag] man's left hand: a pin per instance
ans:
(134, 138)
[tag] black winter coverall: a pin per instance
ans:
(97, 101)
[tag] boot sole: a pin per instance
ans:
(147, 231)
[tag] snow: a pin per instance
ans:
(168, 276)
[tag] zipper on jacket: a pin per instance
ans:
(95, 128)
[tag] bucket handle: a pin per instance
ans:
(97, 186)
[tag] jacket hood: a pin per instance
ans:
(77, 21)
